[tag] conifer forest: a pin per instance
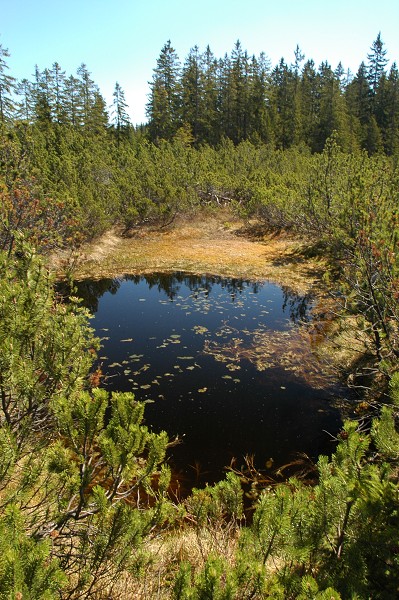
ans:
(305, 150)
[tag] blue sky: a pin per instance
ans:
(121, 40)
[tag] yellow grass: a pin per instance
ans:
(203, 244)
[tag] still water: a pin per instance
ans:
(227, 365)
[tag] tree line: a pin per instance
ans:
(239, 97)
(244, 97)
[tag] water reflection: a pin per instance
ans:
(226, 363)
(297, 305)
(91, 290)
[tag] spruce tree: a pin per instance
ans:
(391, 133)
(42, 99)
(25, 107)
(163, 108)
(192, 94)
(238, 81)
(211, 110)
(332, 115)
(358, 97)
(72, 100)
(284, 105)
(7, 88)
(310, 106)
(259, 124)
(377, 62)
(58, 93)
(119, 115)
(87, 89)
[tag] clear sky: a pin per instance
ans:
(120, 40)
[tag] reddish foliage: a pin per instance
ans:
(45, 222)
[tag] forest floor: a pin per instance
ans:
(208, 243)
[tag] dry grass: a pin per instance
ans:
(204, 244)
(161, 557)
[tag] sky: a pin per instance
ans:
(120, 40)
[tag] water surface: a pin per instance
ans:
(226, 363)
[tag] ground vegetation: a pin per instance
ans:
(305, 153)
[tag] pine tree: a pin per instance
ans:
(42, 99)
(358, 98)
(7, 88)
(238, 82)
(74, 463)
(192, 94)
(377, 63)
(87, 90)
(211, 113)
(120, 117)
(25, 107)
(284, 105)
(259, 125)
(163, 108)
(72, 100)
(57, 93)
(310, 103)
(391, 134)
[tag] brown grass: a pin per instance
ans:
(204, 244)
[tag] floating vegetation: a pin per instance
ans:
(200, 329)
(142, 369)
(291, 350)
(233, 367)
(210, 351)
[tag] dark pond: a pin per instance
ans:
(226, 363)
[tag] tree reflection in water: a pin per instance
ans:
(225, 362)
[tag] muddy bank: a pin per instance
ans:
(205, 244)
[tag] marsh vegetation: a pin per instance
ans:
(296, 186)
